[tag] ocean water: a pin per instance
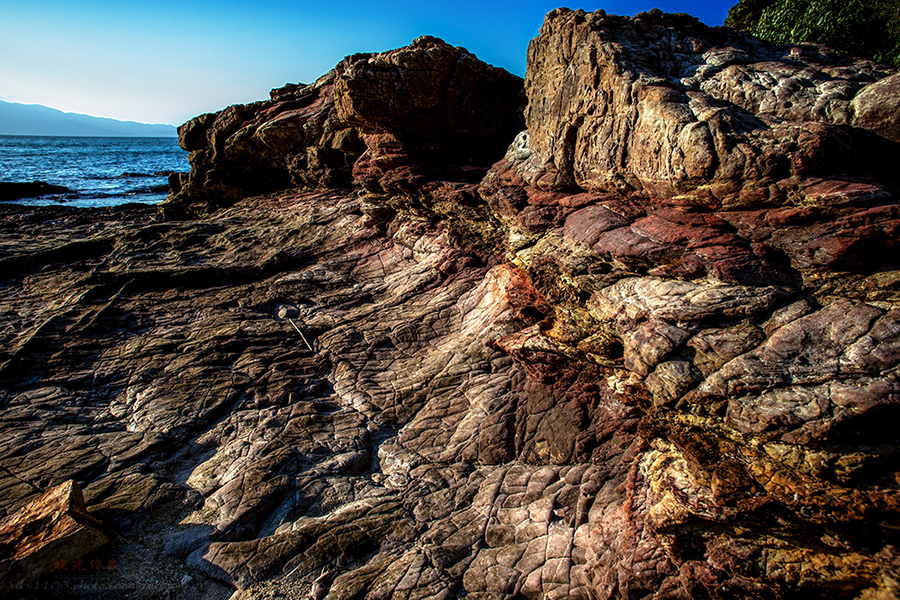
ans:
(99, 171)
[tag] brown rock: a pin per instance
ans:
(427, 110)
(664, 105)
(876, 108)
(292, 139)
(53, 529)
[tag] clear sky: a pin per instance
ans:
(165, 61)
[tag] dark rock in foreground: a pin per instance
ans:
(591, 373)
(17, 191)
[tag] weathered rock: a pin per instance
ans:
(749, 407)
(389, 121)
(46, 535)
(427, 111)
(451, 429)
(292, 139)
(665, 106)
(877, 109)
(507, 388)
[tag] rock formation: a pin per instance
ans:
(292, 139)
(427, 111)
(664, 106)
(385, 120)
(651, 353)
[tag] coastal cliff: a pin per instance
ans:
(625, 329)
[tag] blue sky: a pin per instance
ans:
(166, 61)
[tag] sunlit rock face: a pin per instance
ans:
(393, 120)
(664, 105)
(51, 529)
(610, 366)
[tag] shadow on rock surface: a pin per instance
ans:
(651, 353)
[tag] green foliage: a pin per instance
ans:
(868, 28)
(745, 14)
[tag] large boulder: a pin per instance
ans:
(877, 108)
(427, 110)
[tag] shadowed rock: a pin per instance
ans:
(17, 191)
(427, 111)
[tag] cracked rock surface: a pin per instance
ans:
(206, 431)
(583, 375)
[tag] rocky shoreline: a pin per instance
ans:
(10, 191)
(626, 329)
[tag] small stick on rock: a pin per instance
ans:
(301, 334)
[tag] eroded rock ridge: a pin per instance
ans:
(391, 120)
(650, 352)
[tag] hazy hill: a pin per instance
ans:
(34, 119)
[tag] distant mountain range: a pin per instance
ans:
(34, 119)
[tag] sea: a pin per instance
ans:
(99, 171)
